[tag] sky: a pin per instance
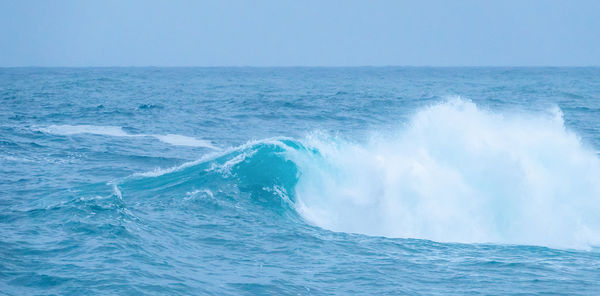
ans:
(300, 33)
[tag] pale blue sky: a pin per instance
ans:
(299, 33)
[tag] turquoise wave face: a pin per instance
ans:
(257, 174)
(299, 181)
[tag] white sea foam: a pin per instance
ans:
(203, 192)
(180, 140)
(66, 130)
(457, 173)
(116, 131)
(225, 168)
(116, 190)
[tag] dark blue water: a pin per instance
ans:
(305, 181)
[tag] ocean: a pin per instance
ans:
(300, 181)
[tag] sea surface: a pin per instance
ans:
(300, 181)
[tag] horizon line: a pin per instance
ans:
(322, 66)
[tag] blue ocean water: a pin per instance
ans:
(304, 181)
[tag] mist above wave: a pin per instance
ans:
(457, 173)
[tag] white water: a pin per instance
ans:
(116, 131)
(457, 173)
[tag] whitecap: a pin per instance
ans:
(457, 173)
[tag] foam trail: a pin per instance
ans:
(116, 131)
(179, 140)
(66, 130)
(457, 173)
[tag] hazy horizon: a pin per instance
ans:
(431, 33)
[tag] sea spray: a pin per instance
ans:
(457, 173)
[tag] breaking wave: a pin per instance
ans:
(453, 173)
